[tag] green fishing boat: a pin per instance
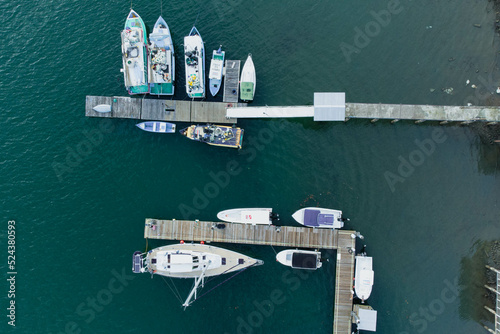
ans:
(134, 54)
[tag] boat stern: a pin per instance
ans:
(138, 262)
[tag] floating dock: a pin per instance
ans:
(375, 112)
(285, 236)
(231, 81)
(161, 110)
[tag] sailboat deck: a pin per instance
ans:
(286, 236)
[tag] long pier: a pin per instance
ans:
(285, 236)
(229, 112)
(379, 111)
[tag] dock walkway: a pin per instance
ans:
(231, 81)
(393, 112)
(161, 110)
(286, 236)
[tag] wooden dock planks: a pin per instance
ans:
(344, 291)
(162, 110)
(231, 81)
(241, 233)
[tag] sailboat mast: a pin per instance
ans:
(196, 283)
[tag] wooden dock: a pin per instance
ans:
(285, 236)
(344, 291)
(161, 110)
(231, 81)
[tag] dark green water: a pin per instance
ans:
(76, 229)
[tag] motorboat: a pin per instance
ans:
(248, 80)
(161, 60)
(194, 56)
(254, 216)
(363, 277)
(319, 217)
(300, 259)
(217, 135)
(157, 127)
(216, 70)
(134, 54)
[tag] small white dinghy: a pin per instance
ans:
(157, 127)
(102, 108)
(319, 217)
(300, 259)
(363, 277)
(254, 216)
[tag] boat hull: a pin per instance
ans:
(180, 260)
(157, 127)
(217, 135)
(254, 216)
(363, 277)
(216, 71)
(102, 108)
(161, 60)
(134, 55)
(319, 217)
(300, 259)
(194, 64)
(248, 80)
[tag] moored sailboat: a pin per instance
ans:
(191, 261)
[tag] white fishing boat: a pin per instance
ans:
(134, 54)
(191, 261)
(216, 70)
(319, 217)
(248, 80)
(102, 108)
(194, 55)
(254, 216)
(157, 127)
(161, 60)
(300, 259)
(363, 277)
